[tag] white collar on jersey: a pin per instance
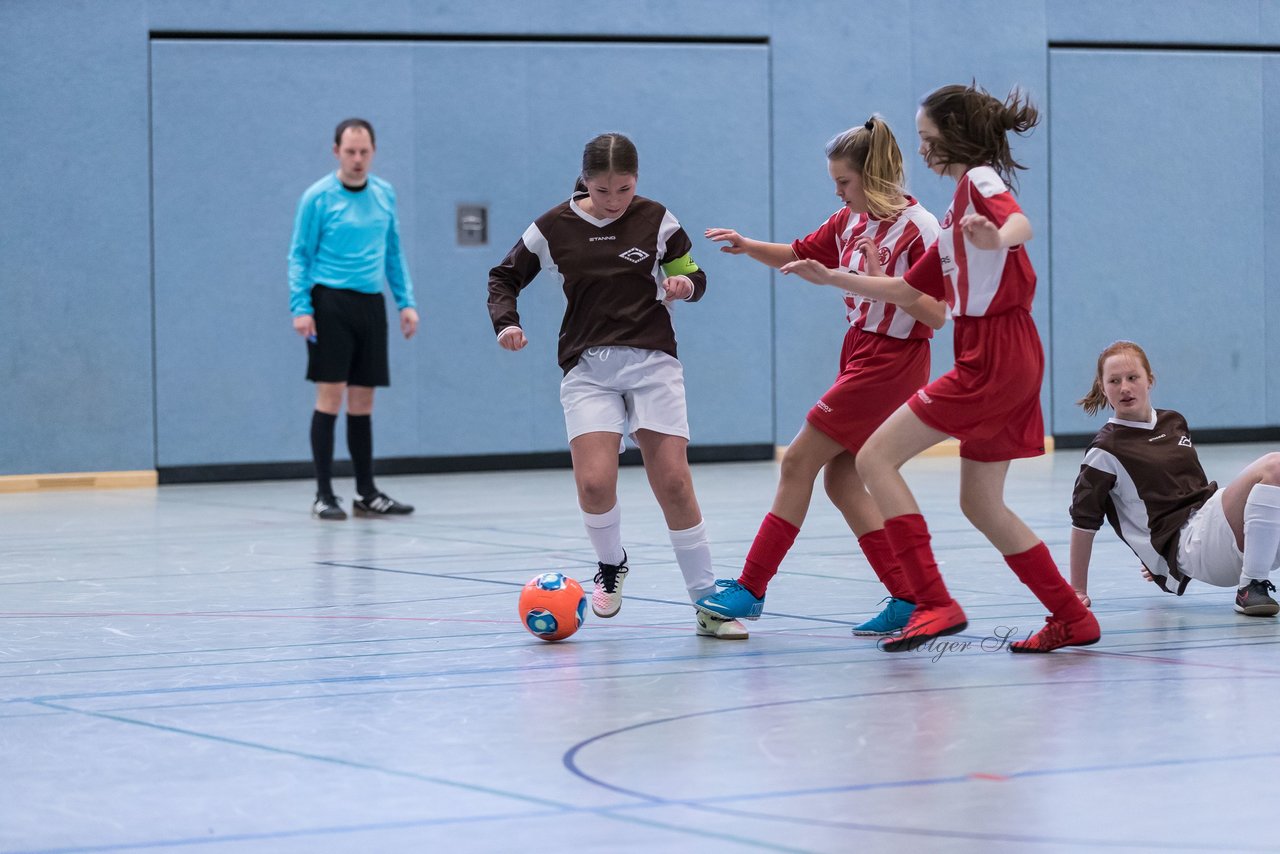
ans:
(1141, 425)
(598, 223)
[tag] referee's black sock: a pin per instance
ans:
(360, 443)
(322, 424)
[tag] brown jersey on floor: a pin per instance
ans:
(1146, 480)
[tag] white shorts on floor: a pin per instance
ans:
(622, 390)
(1207, 548)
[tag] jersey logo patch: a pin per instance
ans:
(635, 255)
(884, 255)
(946, 221)
(1185, 441)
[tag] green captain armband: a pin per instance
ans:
(681, 266)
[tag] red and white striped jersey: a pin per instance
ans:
(902, 241)
(976, 281)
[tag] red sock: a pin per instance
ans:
(1036, 569)
(772, 542)
(879, 553)
(910, 539)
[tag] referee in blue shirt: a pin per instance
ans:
(346, 241)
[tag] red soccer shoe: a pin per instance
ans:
(926, 624)
(1056, 633)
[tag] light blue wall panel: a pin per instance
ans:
(74, 261)
(512, 139)
(1269, 369)
(485, 17)
(1242, 22)
(76, 268)
(240, 130)
(840, 62)
(1158, 227)
(229, 365)
(1001, 45)
(833, 81)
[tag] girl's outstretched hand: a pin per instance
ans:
(809, 270)
(728, 236)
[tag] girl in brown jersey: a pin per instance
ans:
(885, 358)
(622, 261)
(1142, 474)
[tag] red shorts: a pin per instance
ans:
(990, 400)
(877, 375)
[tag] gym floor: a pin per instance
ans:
(207, 668)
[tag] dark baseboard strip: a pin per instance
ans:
(226, 472)
(1200, 437)
(1180, 47)
(526, 38)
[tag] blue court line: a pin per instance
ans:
(213, 650)
(680, 603)
(346, 829)
(708, 804)
(576, 680)
(427, 674)
(479, 686)
(521, 584)
(221, 649)
(546, 667)
(969, 778)
(287, 834)
(556, 808)
(314, 757)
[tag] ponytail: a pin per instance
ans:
(974, 127)
(873, 152)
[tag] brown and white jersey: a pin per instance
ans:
(611, 271)
(1146, 480)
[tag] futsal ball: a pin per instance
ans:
(552, 606)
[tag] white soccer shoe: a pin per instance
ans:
(712, 627)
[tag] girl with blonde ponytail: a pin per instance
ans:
(878, 230)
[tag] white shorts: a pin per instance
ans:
(622, 390)
(1207, 548)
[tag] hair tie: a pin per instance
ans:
(869, 125)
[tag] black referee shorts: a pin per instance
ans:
(351, 338)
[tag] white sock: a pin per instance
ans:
(1261, 533)
(605, 532)
(693, 553)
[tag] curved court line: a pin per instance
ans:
(709, 804)
(556, 807)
